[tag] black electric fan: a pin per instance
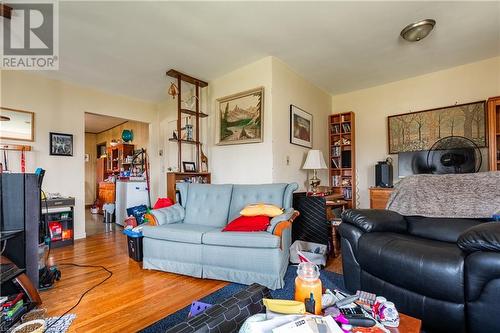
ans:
(454, 154)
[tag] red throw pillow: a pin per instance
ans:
(162, 203)
(248, 223)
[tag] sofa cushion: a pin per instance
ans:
(178, 232)
(430, 268)
(208, 204)
(259, 239)
(244, 195)
(439, 228)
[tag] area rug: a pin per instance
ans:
(329, 279)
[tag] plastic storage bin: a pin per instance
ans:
(314, 252)
(134, 244)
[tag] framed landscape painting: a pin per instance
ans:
(240, 117)
(419, 130)
(300, 127)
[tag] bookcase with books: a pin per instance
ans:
(342, 168)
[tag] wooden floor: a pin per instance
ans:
(132, 299)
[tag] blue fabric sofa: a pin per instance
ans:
(189, 240)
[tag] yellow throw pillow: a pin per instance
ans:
(261, 209)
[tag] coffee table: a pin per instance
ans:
(407, 324)
(229, 315)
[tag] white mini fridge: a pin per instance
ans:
(129, 194)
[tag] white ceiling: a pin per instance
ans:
(126, 47)
(95, 123)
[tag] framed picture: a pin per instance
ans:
(189, 166)
(301, 124)
(420, 130)
(61, 144)
(241, 117)
(17, 124)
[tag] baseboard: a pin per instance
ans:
(80, 236)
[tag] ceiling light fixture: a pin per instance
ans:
(418, 30)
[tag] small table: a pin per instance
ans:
(330, 206)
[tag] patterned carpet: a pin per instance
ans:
(329, 279)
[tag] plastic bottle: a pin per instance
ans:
(307, 282)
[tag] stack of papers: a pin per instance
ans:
(310, 324)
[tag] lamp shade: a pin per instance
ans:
(314, 160)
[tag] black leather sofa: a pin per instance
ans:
(441, 270)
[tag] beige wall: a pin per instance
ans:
(467, 83)
(139, 129)
(266, 162)
(291, 88)
(60, 107)
(90, 168)
(246, 163)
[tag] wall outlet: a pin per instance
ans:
(287, 160)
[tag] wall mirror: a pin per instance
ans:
(16, 124)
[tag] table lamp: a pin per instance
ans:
(314, 161)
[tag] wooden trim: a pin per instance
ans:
(15, 147)
(126, 121)
(493, 103)
(184, 77)
(32, 124)
(5, 11)
(294, 216)
(179, 125)
(197, 126)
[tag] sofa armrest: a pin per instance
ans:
(287, 216)
(282, 222)
(169, 215)
(482, 237)
(375, 220)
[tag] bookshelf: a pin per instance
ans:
(196, 113)
(342, 162)
(185, 177)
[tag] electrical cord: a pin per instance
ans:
(46, 226)
(86, 292)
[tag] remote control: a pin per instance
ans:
(360, 321)
(352, 312)
(347, 300)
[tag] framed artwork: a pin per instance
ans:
(241, 117)
(17, 124)
(189, 166)
(420, 130)
(301, 124)
(61, 144)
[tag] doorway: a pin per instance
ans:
(113, 159)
